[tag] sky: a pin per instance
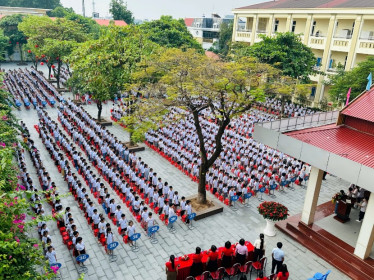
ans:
(153, 9)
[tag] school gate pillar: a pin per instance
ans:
(311, 197)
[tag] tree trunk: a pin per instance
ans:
(49, 72)
(58, 73)
(100, 108)
(132, 143)
(20, 52)
(201, 191)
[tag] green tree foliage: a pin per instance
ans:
(17, 38)
(102, 67)
(119, 11)
(60, 12)
(42, 4)
(52, 40)
(170, 33)
(285, 51)
(4, 45)
(356, 79)
(193, 82)
(225, 37)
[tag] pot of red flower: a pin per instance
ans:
(272, 212)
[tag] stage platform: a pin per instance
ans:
(331, 240)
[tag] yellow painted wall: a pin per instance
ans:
(281, 25)
(360, 58)
(366, 28)
(338, 57)
(321, 25)
(343, 24)
(300, 25)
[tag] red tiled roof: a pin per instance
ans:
(188, 21)
(105, 21)
(305, 4)
(340, 140)
(212, 55)
(362, 107)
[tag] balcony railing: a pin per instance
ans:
(243, 30)
(261, 31)
(288, 124)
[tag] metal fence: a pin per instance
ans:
(295, 123)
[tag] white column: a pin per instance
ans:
(311, 196)
(366, 236)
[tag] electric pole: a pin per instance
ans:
(83, 9)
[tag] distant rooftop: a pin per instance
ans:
(310, 4)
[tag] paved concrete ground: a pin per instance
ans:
(149, 262)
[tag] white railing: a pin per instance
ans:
(288, 124)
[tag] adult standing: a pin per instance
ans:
(362, 206)
(259, 249)
(241, 252)
(171, 269)
(277, 258)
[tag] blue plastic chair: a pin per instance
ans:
(320, 276)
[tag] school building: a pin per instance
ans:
(339, 32)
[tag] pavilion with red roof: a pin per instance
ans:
(344, 149)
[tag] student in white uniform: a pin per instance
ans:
(109, 239)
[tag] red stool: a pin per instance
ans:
(138, 218)
(162, 217)
(227, 201)
(179, 212)
(184, 218)
(114, 221)
(151, 205)
(126, 239)
(96, 232)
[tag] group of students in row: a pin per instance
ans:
(47, 127)
(242, 163)
(123, 170)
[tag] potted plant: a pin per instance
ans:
(272, 212)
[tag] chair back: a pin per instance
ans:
(190, 278)
(248, 267)
(235, 269)
(220, 273)
(327, 274)
(272, 277)
(263, 262)
(205, 275)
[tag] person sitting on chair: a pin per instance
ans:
(241, 252)
(212, 262)
(227, 254)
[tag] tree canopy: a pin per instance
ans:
(170, 33)
(224, 40)
(102, 67)
(51, 41)
(356, 79)
(42, 4)
(60, 12)
(285, 51)
(9, 24)
(4, 45)
(119, 11)
(196, 84)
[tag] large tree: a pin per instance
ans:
(17, 38)
(224, 40)
(285, 51)
(193, 82)
(356, 79)
(119, 11)
(42, 4)
(102, 67)
(4, 45)
(170, 33)
(52, 40)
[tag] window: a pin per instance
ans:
(313, 27)
(293, 26)
(276, 24)
(345, 61)
(319, 60)
(313, 92)
(331, 64)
